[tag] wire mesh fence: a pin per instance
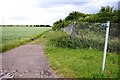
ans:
(92, 35)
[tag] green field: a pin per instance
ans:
(14, 36)
(78, 63)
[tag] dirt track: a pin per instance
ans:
(27, 61)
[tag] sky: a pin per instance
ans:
(37, 12)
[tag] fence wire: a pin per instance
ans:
(93, 34)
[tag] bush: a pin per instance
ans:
(65, 41)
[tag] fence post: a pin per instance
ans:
(105, 47)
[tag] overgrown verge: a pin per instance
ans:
(76, 62)
(66, 42)
(88, 35)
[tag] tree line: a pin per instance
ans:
(104, 14)
(25, 26)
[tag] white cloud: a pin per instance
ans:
(31, 11)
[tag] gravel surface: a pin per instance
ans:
(26, 61)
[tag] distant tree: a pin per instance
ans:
(47, 26)
(42, 25)
(30, 25)
(36, 25)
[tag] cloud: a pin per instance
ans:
(19, 18)
(46, 11)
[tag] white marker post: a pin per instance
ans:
(105, 47)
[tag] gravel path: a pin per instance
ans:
(27, 61)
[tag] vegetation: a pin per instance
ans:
(90, 27)
(42, 26)
(105, 14)
(25, 26)
(77, 63)
(82, 57)
(88, 36)
(14, 36)
(82, 63)
(78, 58)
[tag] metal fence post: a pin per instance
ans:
(105, 47)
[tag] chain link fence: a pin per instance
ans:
(92, 35)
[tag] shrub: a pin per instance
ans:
(65, 41)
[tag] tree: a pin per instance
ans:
(47, 26)
(116, 16)
(74, 16)
(106, 13)
(57, 25)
